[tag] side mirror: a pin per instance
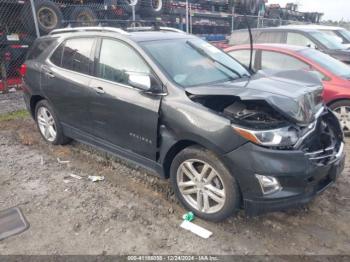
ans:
(140, 81)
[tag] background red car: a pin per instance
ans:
(335, 75)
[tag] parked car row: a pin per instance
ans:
(318, 49)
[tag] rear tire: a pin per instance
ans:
(48, 124)
(342, 111)
(212, 193)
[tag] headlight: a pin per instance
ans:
(286, 136)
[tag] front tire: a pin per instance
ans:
(342, 110)
(48, 124)
(48, 14)
(203, 184)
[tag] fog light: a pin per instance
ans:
(268, 184)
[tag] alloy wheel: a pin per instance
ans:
(46, 124)
(201, 186)
(343, 115)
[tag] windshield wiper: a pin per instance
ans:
(204, 53)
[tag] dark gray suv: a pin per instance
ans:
(180, 107)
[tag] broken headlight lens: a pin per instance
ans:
(285, 136)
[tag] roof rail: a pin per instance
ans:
(89, 29)
(153, 28)
(171, 29)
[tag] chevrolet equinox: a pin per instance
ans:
(172, 103)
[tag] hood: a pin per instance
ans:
(297, 95)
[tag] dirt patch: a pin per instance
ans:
(132, 212)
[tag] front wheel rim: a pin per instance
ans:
(46, 124)
(201, 186)
(343, 115)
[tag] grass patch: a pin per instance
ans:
(20, 114)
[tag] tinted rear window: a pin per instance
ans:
(74, 54)
(39, 47)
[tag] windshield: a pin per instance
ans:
(345, 34)
(192, 62)
(333, 65)
(328, 41)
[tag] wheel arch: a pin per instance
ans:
(172, 152)
(338, 100)
(33, 102)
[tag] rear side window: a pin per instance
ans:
(243, 56)
(74, 54)
(242, 37)
(39, 47)
(239, 38)
(272, 37)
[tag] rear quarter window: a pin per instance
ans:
(271, 37)
(38, 48)
(74, 54)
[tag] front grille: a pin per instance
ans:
(325, 144)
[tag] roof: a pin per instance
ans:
(314, 27)
(156, 35)
(292, 48)
(281, 28)
(139, 35)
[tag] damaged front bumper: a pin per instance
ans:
(302, 173)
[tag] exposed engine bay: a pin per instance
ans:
(321, 139)
(251, 113)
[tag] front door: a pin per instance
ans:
(121, 114)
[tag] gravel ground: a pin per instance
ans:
(11, 102)
(132, 212)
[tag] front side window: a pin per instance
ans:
(74, 54)
(278, 61)
(299, 40)
(345, 35)
(117, 60)
(192, 62)
(328, 41)
(325, 61)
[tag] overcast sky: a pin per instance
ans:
(333, 9)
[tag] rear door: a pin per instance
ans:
(66, 78)
(121, 114)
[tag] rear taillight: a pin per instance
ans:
(23, 70)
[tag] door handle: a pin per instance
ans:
(99, 90)
(49, 74)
